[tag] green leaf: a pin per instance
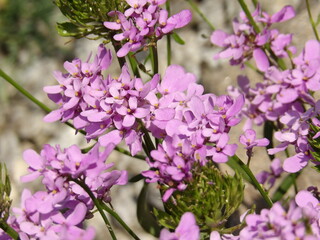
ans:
(284, 186)
(144, 213)
(68, 29)
(136, 178)
(237, 168)
(268, 130)
(177, 38)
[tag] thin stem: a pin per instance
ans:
(254, 180)
(47, 110)
(9, 230)
(134, 65)
(154, 58)
(312, 21)
(253, 68)
(97, 204)
(119, 219)
(24, 91)
(249, 16)
(168, 37)
(255, 3)
(126, 152)
(195, 7)
(248, 162)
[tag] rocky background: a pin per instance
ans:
(30, 50)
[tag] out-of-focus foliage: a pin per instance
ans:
(86, 17)
(26, 25)
(5, 190)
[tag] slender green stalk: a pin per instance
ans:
(254, 180)
(314, 28)
(168, 37)
(9, 230)
(255, 3)
(119, 219)
(195, 7)
(97, 204)
(154, 59)
(249, 65)
(47, 110)
(249, 16)
(126, 152)
(134, 65)
(24, 91)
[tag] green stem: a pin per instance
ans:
(24, 91)
(9, 230)
(255, 3)
(253, 68)
(312, 21)
(154, 58)
(119, 219)
(47, 110)
(134, 65)
(126, 152)
(254, 180)
(168, 37)
(249, 16)
(195, 7)
(98, 205)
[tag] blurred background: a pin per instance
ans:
(31, 49)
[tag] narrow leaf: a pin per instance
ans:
(284, 186)
(237, 168)
(144, 213)
(68, 29)
(136, 178)
(268, 130)
(177, 38)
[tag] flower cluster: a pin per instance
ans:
(248, 41)
(282, 97)
(143, 23)
(58, 212)
(301, 221)
(194, 127)
(97, 104)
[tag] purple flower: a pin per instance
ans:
(144, 23)
(186, 230)
(249, 140)
(270, 177)
(299, 222)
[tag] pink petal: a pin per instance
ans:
(53, 116)
(78, 214)
(261, 59)
(128, 121)
(33, 159)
